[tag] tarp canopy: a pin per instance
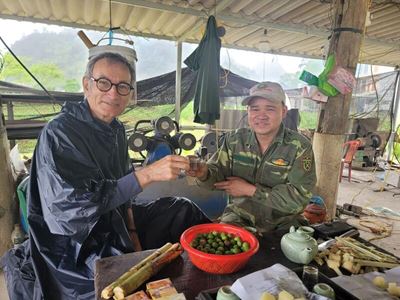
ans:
(152, 91)
(161, 89)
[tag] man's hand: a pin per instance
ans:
(167, 168)
(236, 186)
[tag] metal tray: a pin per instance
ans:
(341, 294)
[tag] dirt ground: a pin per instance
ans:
(370, 189)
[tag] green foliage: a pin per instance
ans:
(72, 86)
(13, 71)
(64, 49)
(28, 110)
(291, 80)
(48, 74)
(131, 116)
(308, 120)
(26, 147)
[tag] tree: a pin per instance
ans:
(72, 86)
(63, 49)
(48, 74)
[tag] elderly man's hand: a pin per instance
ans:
(167, 168)
(236, 186)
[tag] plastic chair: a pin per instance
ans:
(21, 192)
(351, 148)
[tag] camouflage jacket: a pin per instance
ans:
(284, 177)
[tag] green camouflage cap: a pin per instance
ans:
(271, 91)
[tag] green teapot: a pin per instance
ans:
(298, 246)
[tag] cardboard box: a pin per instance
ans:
(141, 295)
(166, 282)
(162, 292)
(179, 296)
(313, 93)
(342, 79)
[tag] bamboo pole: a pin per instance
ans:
(7, 187)
(349, 24)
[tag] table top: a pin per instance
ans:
(185, 276)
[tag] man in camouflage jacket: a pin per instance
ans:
(267, 170)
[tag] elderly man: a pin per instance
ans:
(81, 188)
(267, 170)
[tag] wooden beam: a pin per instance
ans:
(7, 188)
(333, 117)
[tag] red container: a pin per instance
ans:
(214, 263)
(314, 213)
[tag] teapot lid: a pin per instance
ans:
(298, 234)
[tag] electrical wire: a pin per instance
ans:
(27, 70)
(364, 114)
(226, 72)
(376, 91)
(1, 62)
(110, 13)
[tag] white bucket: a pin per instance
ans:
(128, 53)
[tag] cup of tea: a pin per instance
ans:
(310, 277)
(324, 290)
(195, 162)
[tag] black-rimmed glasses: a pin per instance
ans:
(104, 85)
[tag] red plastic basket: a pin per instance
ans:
(214, 263)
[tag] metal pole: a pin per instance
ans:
(178, 81)
(10, 113)
(396, 98)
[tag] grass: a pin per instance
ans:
(308, 120)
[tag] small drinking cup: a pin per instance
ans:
(310, 277)
(195, 162)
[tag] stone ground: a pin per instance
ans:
(364, 190)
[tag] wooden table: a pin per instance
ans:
(185, 276)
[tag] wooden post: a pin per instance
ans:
(348, 28)
(7, 207)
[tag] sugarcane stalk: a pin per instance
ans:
(369, 263)
(359, 248)
(132, 282)
(370, 252)
(166, 257)
(107, 292)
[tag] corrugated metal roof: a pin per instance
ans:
(294, 27)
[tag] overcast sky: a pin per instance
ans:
(260, 64)
(12, 31)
